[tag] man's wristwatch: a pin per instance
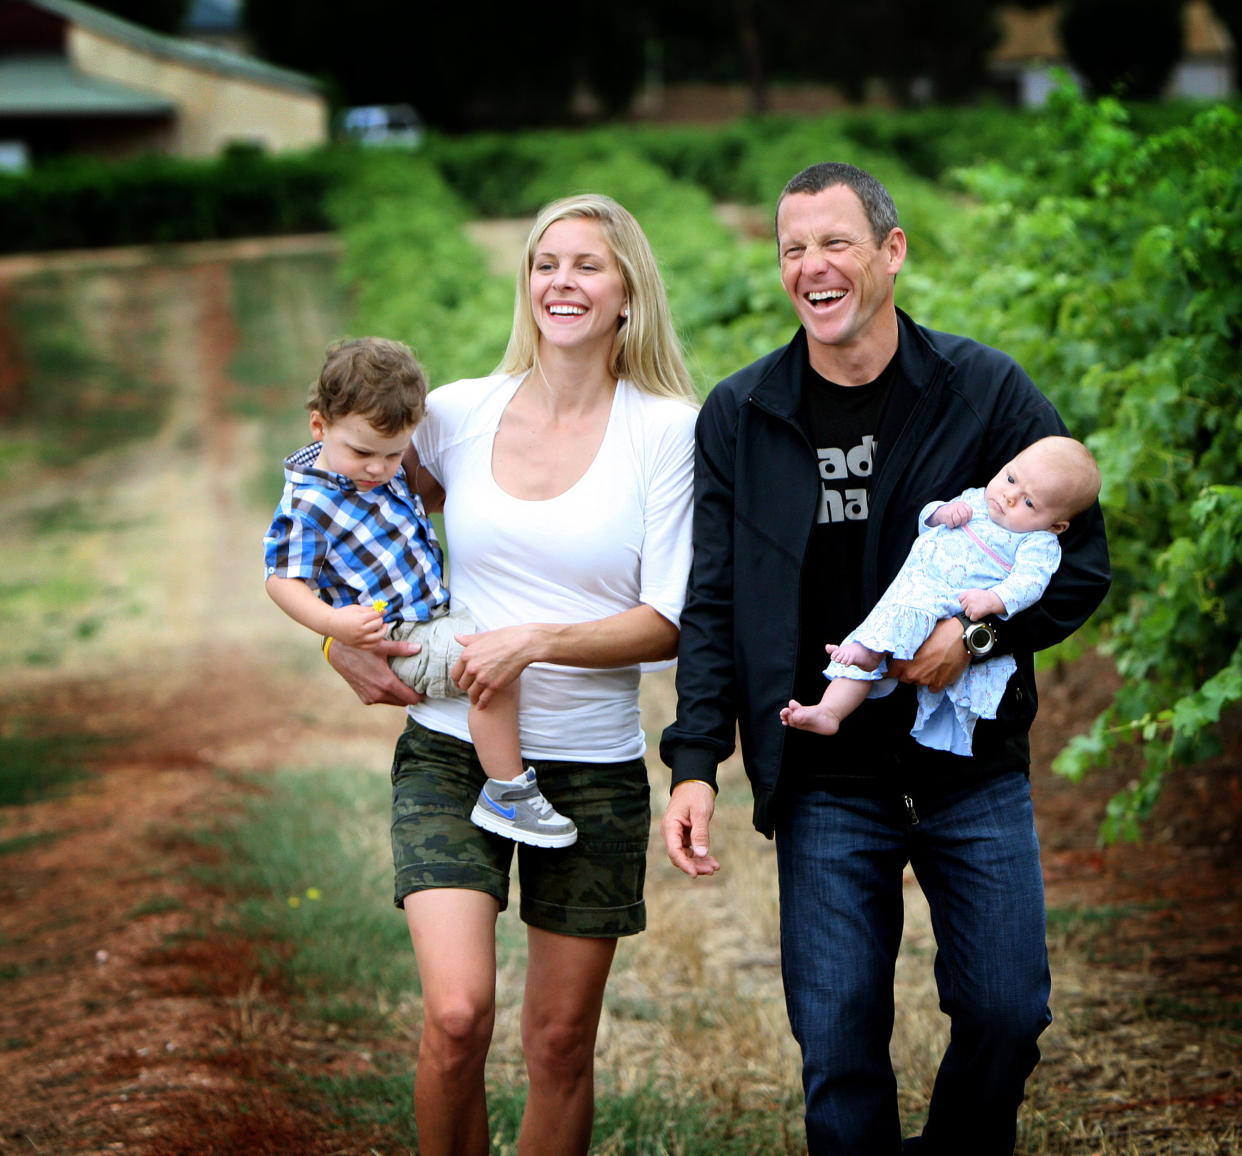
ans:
(979, 637)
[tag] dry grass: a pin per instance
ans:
(697, 1001)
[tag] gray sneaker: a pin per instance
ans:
(517, 810)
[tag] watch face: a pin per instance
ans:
(979, 638)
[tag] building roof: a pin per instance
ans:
(1032, 34)
(51, 86)
(209, 57)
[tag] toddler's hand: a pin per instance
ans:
(956, 513)
(358, 626)
(980, 603)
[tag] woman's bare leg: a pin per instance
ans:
(565, 978)
(454, 937)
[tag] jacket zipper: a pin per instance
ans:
(912, 816)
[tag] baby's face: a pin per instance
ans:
(1024, 496)
(354, 447)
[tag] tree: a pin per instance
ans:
(1229, 13)
(160, 15)
(1123, 47)
(485, 64)
(945, 45)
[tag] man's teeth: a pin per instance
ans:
(826, 295)
(567, 310)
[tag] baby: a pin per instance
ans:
(352, 555)
(989, 551)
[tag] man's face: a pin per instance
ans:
(839, 279)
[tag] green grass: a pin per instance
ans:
(34, 767)
(309, 861)
(75, 401)
(20, 843)
(287, 311)
(645, 1121)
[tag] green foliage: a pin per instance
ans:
(416, 276)
(1109, 264)
(85, 203)
(1105, 258)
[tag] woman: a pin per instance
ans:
(565, 480)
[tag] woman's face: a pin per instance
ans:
(576, 288)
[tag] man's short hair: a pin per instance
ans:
(876, 202)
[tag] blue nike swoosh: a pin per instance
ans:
(507, 812)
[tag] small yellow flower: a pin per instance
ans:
(379, 606)
(295, 901)
(314, 893)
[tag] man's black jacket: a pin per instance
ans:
(956, 413)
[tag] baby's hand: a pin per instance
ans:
(358, 626)
(980, 603)
(956, 513)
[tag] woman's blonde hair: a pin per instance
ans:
(646, 350)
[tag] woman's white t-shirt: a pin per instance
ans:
(617, 538)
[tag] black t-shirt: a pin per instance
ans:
(843, 421)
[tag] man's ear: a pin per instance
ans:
(895, 244)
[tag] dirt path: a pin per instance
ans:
(123, 1028)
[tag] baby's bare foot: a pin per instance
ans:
(810, 718)
(855, 654)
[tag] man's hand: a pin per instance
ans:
(368, 672)
(940, 661)
(686, 820)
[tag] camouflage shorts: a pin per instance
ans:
(592, 888)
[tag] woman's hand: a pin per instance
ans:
(493, 659)
(368, 672)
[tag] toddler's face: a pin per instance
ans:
(1023, 496)
(354, 447)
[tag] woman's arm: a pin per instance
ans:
(370, 676)
(493, 659)
(421, 481)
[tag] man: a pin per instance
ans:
(812, 465)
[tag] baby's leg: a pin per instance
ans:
(510, 803)
(842, 697)
(494, 732)
(855, 654)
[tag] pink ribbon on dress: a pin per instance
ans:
(987, 549)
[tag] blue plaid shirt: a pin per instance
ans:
(356, 547)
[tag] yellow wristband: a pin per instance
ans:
(327, 645)
(703, 781)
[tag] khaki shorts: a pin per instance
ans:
(593, 888)
(428, 671)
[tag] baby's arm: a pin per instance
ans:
(955, 513)
(980, 603)
(354, 625)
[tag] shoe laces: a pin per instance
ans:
(541, 804)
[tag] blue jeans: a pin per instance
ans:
(976, 856)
